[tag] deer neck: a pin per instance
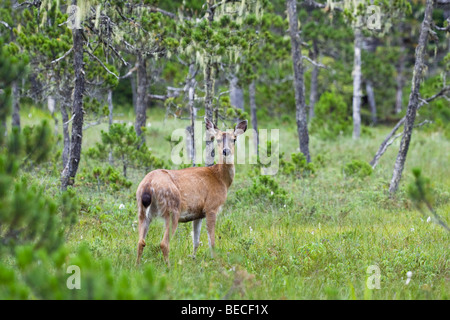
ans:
(224, 172)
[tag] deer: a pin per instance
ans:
(190, 194)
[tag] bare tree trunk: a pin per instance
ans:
(314, 81)
(357, 84)
(66, 135)
(252, 95)
(413, 97)
(209, 94)
(400, 82)
(15, 105)
(192, 83)
(141, 98)
(299, 85)
(70, 171)
(110, 120)
(51, 105)
(372, 103)
(133, 90)
(236, 94)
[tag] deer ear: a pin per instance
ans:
(211, 128)
(240, 128)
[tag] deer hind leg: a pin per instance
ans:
(144, 222)
(210, 226)
(170, 225)
(197, 226)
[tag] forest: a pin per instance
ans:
(335, 115)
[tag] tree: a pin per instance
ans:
(299, 86)
(414, 96)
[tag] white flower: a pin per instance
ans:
(409, 275)
(149, 124)
(122, 206)
(251, 230)
(428, 219)
(30, 115)
(271, 193)
(412, 229)
(312, 232)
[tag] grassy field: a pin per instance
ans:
(317, 242)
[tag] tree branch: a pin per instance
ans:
(63, 56)
(101, 63)
(386, 143)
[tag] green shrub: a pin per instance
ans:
(331, 116)
(265, 189)
(126, 148)
(357, 168)
(298, 166)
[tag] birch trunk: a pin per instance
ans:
(110, 120)
(314, 81)
(413, 97)
(357, 84)
(15, 105)
(252, 95)
(70, 171)
(141, 98)
(193, 112)
(372, 103)
(400, 82)
(66, 135)
(236, 94)
(209, 94)
(299, 85)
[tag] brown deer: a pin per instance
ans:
(189, 194)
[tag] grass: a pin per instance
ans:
(317, 245)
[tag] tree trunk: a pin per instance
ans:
(252, 95)
(209, 94)
(110, 120)
(357, 84)
(193, 111)
(15, 105)
(314, 81)
(236, 94)
(66, 135)
(51, 105)
(70, 171)
(141, 98)
(400, 82)
(372, 103)
(413, 97)
(299, 85)
(133, 90)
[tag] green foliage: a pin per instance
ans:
(31, 278)
(266, 190)
(298, 166)
(332, 118)
(109, 177)
(126, 147)
(357, 168)
(420, 191)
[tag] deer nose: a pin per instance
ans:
(226, 152)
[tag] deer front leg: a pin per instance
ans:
(197, 226)
(210, 226)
